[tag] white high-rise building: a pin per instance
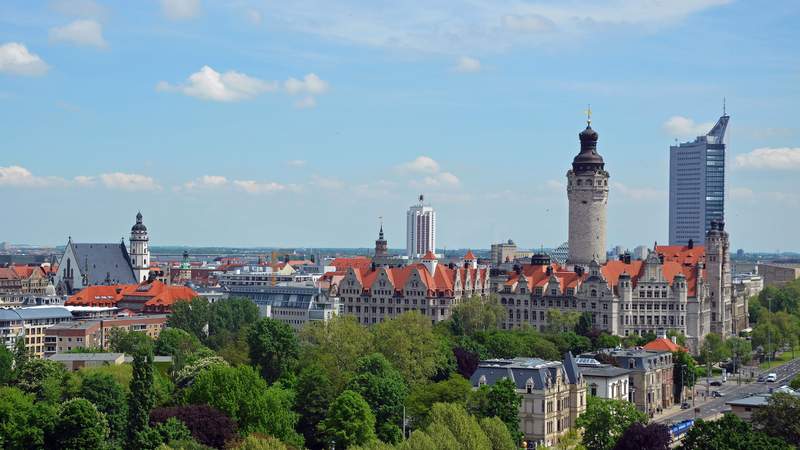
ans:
(420, 230)
(140, 251)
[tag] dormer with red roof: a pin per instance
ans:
(430, 262)
(470, 261)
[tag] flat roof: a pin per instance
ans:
(86, 356)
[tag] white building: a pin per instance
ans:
(604, 380)
(420, 230)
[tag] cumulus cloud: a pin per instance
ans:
(441, 179)
(637, 193)
(422, 164)
(782, 158)
(180, 9)
(206, 181)
(128, 182)
(310, 84)
(431, 174)
(80, 32)
(682, 127)
(231, 86)
(15, 59)
(467, 64)
(17, 176)
(259, 187)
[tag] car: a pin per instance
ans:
(762, 378)
(771, 378)
(685, 405)
(716, 383)
(717, 394)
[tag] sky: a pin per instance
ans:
(302, 123)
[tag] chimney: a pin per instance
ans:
(691, 244)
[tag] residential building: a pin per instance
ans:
(292, 303)
(778, 274)
(149, 297)
(650, 378)
(77, 361)
(504, 252)
(30, 323)
(697, 185)
(23, 280)
(553, 393)
(70, 336)
(377, 294)
(744, 407)
(420, 229)
(587, 191)
(604, 380)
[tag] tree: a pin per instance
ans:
(349, 421)
(209, 426)
(678, 335)
(476, 314)
(108, 397)
(498, 434)
(6, 366)
(335, 345)
(228, 318)
(177, 343)
(795, 383)
(192, 316)
(383, 388)
(261, 442)
(408, 342)
(780, 417)
(142, 397)
(273, 347)
(639, 436)
(452, 420)
(604, 422)
(740, 349)
(79, 426)
(186, 376)
(315, 393)
(455, 390)
(242, 394)
(606, 340)
(502, 401)
(24, 423)
(43, 378)
(584, 325)
(466, 361)
(767, 336)
(730, 433)
(561, 321)
(683, 372)
(121, 340)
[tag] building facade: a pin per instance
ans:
(295, 304)
(420, 229)
(697, 185)
(777, 274)
(650, 378)
(504, 252)
(71, 336)
(604, 380)
(553, 394)
(31, 325)
(140, 250)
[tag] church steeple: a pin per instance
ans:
(140, 251)
(381, 246)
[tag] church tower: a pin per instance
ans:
(381, 246)
(140, 250)
(587, 191)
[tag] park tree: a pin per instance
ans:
(454, 419)
(497, 433)
(605, 340)
(349, 421)
(24, 423)
(243, 395)
(408, 342)
(795, 383)
(178, 343)
(767, 336)
(108, 397)
(315, 392)
(192, 316)
(604, 422)
(466, 361)
(683, 372)
(43, 378)
(561, 321)
(638, 436)
(274, 348)
(455, 390)
(79, 426)
(741, 351)
(584, 324)
(121, 340)
(383, 388)
(680, 338)
(503, 402)
(6, 366)
(258, 441)
(780, 417)
(208, 425)
(730, 433)
(476, 314)
(335, 345)
(230, 320)
(142, 397)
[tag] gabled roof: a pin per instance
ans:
(664, 345)
(429, 256)
(104, 261)
(153, 294)
(469, 255)
(356, 261)
(442, 280)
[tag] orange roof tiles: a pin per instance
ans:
(429, 256)
(469, 255)
(156, 295)
(663, 345)
(443, 280)
(361, 262)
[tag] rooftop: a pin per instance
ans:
(86, 356)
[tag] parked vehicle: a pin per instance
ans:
(716, 383)
(717, 394)
(771, 378)
(762, 378)
(685, 405)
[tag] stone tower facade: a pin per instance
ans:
(718, 269)
(381, 246)
(587, 191)
(140, 250)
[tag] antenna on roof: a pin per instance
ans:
(588, 115)
(724, 112)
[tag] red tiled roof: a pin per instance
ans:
(361, 262)
(663, 345)
(429, 256)
(469, 255)
(443, 279)
(157, 295)
(682, 254)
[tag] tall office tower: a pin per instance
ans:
(140, 253)
(420, 229)
(587, 190)
(697, 185)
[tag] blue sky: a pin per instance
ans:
(274, 123)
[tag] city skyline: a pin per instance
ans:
(285, 134)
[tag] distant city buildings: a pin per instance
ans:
(73, 335)
(30, 324)
(149, 297)
(420, 230)
(778, 274)
(697, 185)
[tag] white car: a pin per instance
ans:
(771, 378)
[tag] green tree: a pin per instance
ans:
(21, 353)
(273, 347)
(79, 426)
(408, 342)
(730, 433)
(6, 366)
(498, 433)
(500, 400)
(242, 394)
(24, 423)
(584, 325)
(109, 397)
(795, 383)
(192, 316)
(606, 340)
(653, 436)
(228, 318)
(561, 321)
(683, 372)
(678, 335)
(178, 343)
(123, 341)
(461, 425)
(142, 397)
(261, 442)
(455, 390)
(349, 421)
(740, 349)
(476, 314)
(43, 378)
(604, 421)
(315, 393)
(780, 417)
(335, 345)
(383, 388)
(767, 336)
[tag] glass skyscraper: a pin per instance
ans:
(697, 185)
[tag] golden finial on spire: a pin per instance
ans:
(588, 115)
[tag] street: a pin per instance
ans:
(714, 406)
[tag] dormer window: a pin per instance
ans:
(529, 386)
(482, 381)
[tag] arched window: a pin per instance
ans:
(529, 386)
(594, 292)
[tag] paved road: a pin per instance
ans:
(731, 390)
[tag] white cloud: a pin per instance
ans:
(17, 60)
(783, 158)
(442, 179)
(84, 180)
(17, 176)
(180, 9)
(128, 182)
(206, 181)
(422, 164)
(80, 32)
(683, 127)
(79, 8)
(296, 162)
(310, 84)
(208, 84)
(257, 187)
(467, 64)
(555, 185)
(637, 193)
